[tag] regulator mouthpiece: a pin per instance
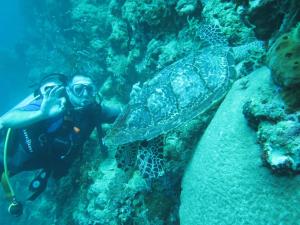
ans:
(15, 208)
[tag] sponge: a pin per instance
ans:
(284, 59)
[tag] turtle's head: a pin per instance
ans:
(243, 51)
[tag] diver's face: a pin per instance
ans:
(81, 91)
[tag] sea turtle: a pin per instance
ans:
(174, 96)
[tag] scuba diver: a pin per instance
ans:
(49, 132)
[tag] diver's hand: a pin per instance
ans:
(53, 104)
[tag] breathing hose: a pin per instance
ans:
(6, 175)
(15, 208)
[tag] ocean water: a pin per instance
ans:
(185, 56)
(13, 70)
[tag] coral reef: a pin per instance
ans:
(281, 143)
(277, 131)
(223, 14)
(184, 7)
(262, 109)
(275, 114)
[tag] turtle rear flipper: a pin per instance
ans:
(150, 158)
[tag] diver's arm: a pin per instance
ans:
(110, 113)
(19, 118)
(51, 106)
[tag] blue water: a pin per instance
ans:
(13, 72)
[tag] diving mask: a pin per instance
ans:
(81, 89)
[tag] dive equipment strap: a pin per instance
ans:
(39, 183)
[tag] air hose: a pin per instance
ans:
(15, 208)
(6, 175)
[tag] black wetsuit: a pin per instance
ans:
(53, 143)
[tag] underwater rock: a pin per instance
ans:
(225, 182)
(266, 18)
(224, 15)
(119, 34)
(185, 7)
(117, 64)
(277, 129)
(271, 16)
(151, 13)
(88, 20)
(258, 110)
(281, 146)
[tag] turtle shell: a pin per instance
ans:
(175, 95)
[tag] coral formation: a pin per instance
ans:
(258, 110)
(281, 149)
(274, 114)
(277, 130)
(184, 7)
(225, 182)
(275, 126)
(223, 14)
